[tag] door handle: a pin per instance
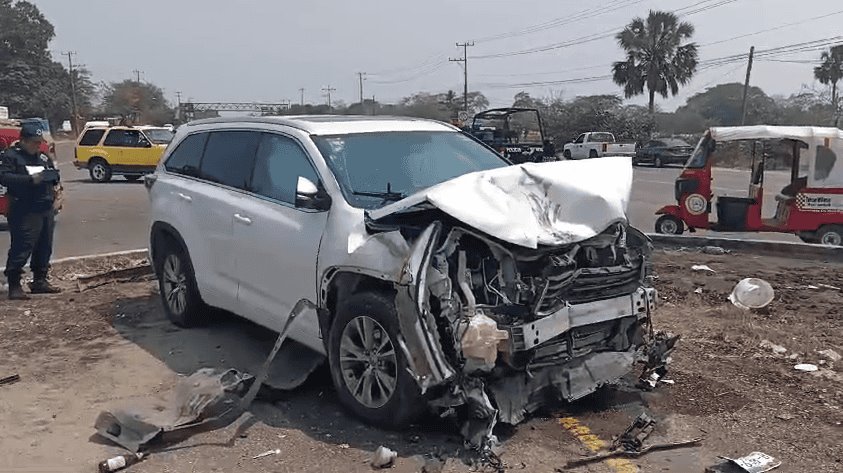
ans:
(243, 219)
(185, 197)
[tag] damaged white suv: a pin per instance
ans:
(444, 278)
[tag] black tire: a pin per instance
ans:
(99, 170)
(566, 154)
(657, 162)
(592, 154)
(831, 235)
(405, 404)
(183, 306)
(132, 178)
(670, 225)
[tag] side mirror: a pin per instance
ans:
(310, 196)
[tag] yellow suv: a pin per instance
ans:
(121, 150)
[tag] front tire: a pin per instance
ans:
(99, 170)
(368, 367)
(670, 225)
(177, 285)
(566, 154)
(831, 235)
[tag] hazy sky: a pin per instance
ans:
(262, 50)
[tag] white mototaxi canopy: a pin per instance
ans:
(821, 163)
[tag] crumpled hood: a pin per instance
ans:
(533, 204)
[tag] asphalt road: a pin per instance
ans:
(100, 218)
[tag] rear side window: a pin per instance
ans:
(91, 137)
(187, 156)
(279, 164)
(229, 157)
(123, 138)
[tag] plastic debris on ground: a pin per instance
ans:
(752, 293)
(657, 358)
(383, 457)
(702, 267)
(715, 250)
(755, 462)
(10, 379)
(807, 367)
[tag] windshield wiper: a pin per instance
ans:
(388, 196)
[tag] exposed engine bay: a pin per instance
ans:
(494, 331)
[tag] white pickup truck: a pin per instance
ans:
(597, 144)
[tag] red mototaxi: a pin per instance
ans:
(9, 135)
(811, 206)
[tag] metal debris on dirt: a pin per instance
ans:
(267, 453)
(657, 358)
(137, 270)
(383, 457)
(10, 379)
(752, 293)
(630, 444)
(755, 462)
(806, 367)
(208, 399)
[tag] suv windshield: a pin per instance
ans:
(374, 169)
(159, 136)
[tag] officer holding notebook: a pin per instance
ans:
(31, 180)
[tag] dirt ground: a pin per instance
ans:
(80, 353)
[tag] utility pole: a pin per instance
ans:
(361, 76)
(137, 75)
(74, 110)
(746, 84)
(178, 97)
(464, 62)
(328, 91)
(301, 91)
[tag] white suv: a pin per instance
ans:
(444, 277)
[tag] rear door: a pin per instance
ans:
(224, 174)
(113, 147)
(276, 242)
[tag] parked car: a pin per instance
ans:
(441, 276)
(119, 150)
(9, 135)
(662, 152)
(596, 145)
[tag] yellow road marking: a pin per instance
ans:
(595, 444)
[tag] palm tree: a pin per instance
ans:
(656, 57)
(831, 72)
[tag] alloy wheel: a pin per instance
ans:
(368, 362)
(174, 282)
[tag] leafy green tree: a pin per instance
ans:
(721, 105)
(141, 103)
(658, 56)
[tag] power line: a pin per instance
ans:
(429, 70)
(775, 28)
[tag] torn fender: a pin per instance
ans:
(421, 344)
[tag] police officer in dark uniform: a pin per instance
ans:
(30, 178)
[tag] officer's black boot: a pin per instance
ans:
(16, 291)
(41, 286)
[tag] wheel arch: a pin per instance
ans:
(159, 233)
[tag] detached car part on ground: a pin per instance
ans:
(482, 298)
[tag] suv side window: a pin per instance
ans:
(123, 138)
(229, 158)
(187, 156)
(91, 137)
(580, 139)
(279, 164)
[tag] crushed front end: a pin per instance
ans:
(508, 329)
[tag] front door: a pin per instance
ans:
(578, 150)
(276, 243)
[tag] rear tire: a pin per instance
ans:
(670, 225)
(370, 372)
(831, 235)
(177, 285)
(592, 154)
(99, 170)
